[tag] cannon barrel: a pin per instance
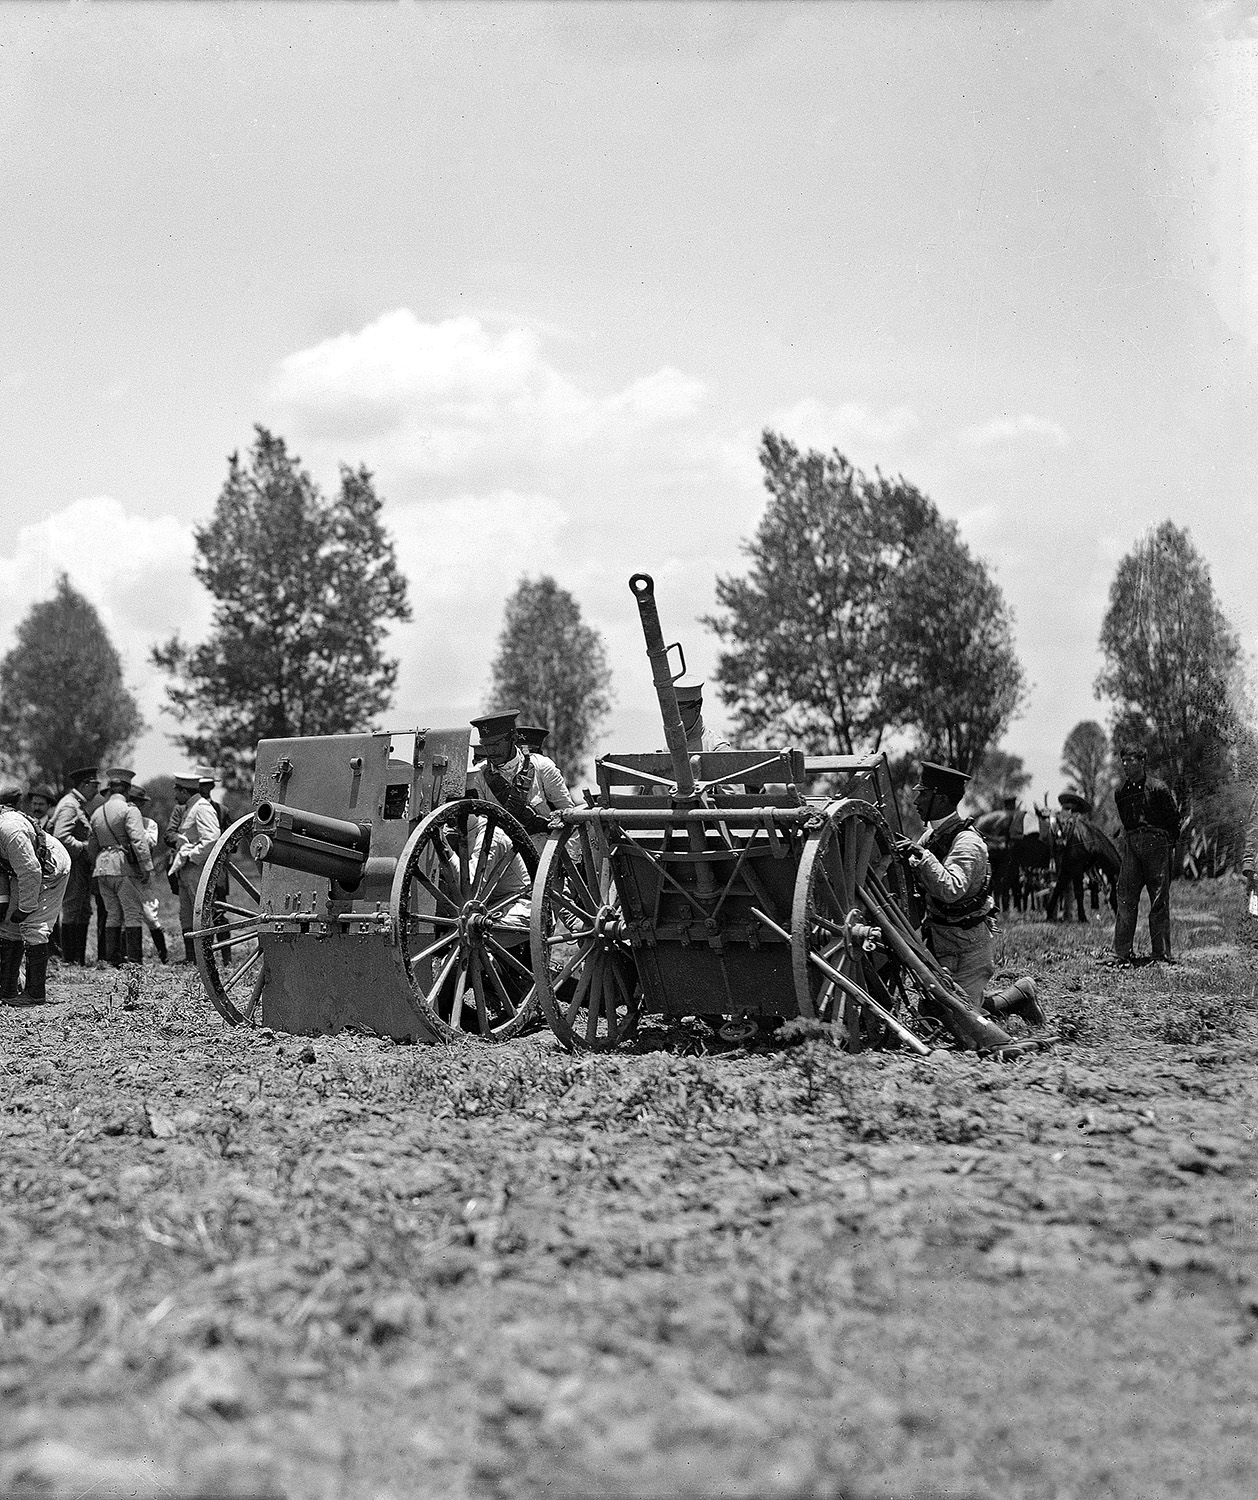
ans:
(643, 587)
(300, 840)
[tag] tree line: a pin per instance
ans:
(861, 622)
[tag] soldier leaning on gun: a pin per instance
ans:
(1151, 822)
(34, 869)
(953, 872)
(195, 836)
(123, 866)
(70, 824)
(529, 786)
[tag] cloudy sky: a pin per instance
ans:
(549, 270)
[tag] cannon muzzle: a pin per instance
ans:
(304, 841)
(643, 587)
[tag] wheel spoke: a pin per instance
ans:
(464, 857)
(507, 957)
(486, 850)
(439, 983)
(236, 911)
(244, 880)
(864, 852)
(556, 898)
(460, 985)
(569, 937)
(434, 891)
(576, 880)
(623, 987)
(491, 968)
(596, 997)
(496, 871)
(244, 967)
(583, 985)
(233, 942)
(442, 942)
(478, 989)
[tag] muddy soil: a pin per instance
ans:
(237, 1263)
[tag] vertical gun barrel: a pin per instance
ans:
(643, 588)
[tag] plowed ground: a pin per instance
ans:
(241, 1263)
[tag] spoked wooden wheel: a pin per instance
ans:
(583, 964)
(227, 916)
(827, 912)
(460, 903)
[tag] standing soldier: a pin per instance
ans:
(152, 918)
(954, 875)
(207, 777)
(39, 801)
(1151, 822)
(71, 827)
(123, 867)
(34, 869)
(699, 740)
(195, 837)
(529, 786)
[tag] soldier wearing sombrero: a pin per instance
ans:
(123, 866)
(952, 870)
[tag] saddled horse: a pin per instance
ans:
(1018, 851)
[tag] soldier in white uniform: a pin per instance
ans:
(151, 908)
(123, 866)
(34, 870)
(952, 870)
(194, 838)
(529, 786)
(71, 826)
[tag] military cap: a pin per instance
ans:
(1073, 802)
(188, 783)
(116, 776)
(531, 736)
(10, 792)
(494, 726)
(84, 773)
(946, 780)
(688, 692)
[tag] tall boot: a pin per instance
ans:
(113, 947)
(159, 942)
(34, 992)
(56, 943)
(189, 950)
(80, 944)
(10, 966)
(133, 945)
(102, 933)
(1020, 999)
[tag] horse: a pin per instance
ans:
(1014, 854)
(1085, 848)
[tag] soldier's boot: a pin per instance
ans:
(189, 950)
(80, 944)
(102, 940)
(133, 945)
(1020, 999)
(113, 947)
(159, 942)
(10, 967)
(34, 992)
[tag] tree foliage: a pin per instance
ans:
(862, 612)
(552, 666)
(999, 774)
(63, 703)
(304, 588)
(1170, 662)
(1085, 761)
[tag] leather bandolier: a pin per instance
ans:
(968, 912)
(512, 793)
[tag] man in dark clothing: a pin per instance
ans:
(1151, 822)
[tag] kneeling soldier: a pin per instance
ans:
(34, 870)
(954, 875)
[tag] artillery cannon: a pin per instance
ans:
(712, 885)
(371, 891)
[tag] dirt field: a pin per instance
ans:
(238, 1263)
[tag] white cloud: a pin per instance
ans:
(452, 399)
(851, 425)
(1005, 430)
(135, 570)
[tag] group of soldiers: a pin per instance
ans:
(95, 847)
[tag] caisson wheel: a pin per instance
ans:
(587, 981)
